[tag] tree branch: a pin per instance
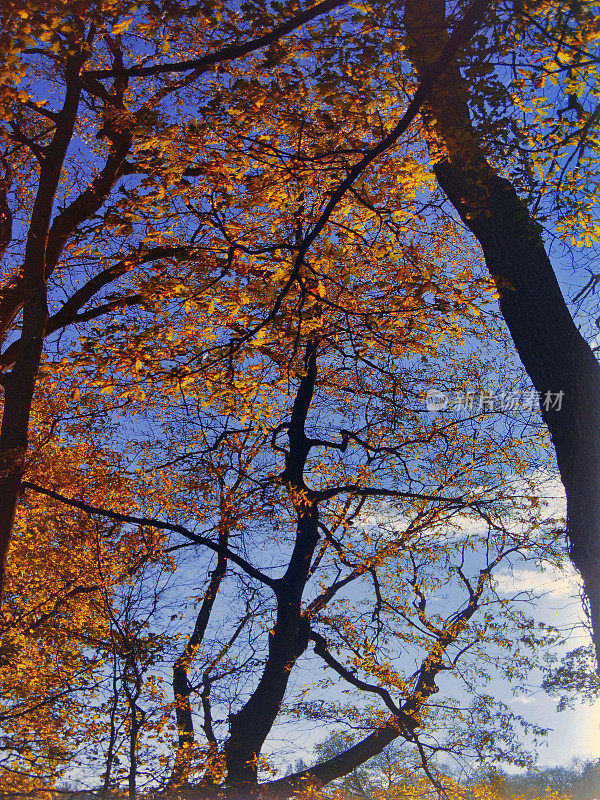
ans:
(322, 651)
(459, 37)
(228, 53)
(68, 313)
(159, 525)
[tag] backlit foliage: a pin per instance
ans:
(232, 483)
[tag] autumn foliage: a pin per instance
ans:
(229, 281)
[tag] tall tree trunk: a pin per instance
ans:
(289, 638)
(558, 360)
(27, 289)
(287, 641)
(19, 384)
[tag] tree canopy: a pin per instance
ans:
(237, 257)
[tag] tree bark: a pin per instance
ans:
(551, 348)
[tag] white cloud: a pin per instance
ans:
(563, 583)
(527, 701)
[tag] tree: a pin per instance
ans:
(323, 539)
(33, 133)
(580, 780)
(553, 351)
(230, 396)
(387, 773)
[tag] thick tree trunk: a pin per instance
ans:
(287, 641)
(558, 360)
(19, 387)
